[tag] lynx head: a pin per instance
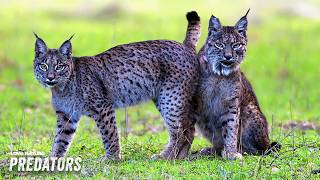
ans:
(52, 67)
(225, 46)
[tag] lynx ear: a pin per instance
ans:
(40, 46)
(214, 25)
(242, 24)
(66, 48)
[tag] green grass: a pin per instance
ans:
(282, 63)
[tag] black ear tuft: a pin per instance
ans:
(40, 46)
(71, 37)
(66, 48)
(242, 24)
(35, 35)
(214, 25)
(247, 12)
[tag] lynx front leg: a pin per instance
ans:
(105, 120)
(66, 127)
(230, 130)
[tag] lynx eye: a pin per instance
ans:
(60, 67)
(219, 45)
(43, 66)
(236, 46)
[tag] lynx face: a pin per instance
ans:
(52, 66)
(226, 46)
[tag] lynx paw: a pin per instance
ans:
(231, 155)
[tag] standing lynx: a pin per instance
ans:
(230, 116)
(159, 70)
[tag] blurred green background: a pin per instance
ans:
(282, 63)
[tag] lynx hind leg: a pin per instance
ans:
(104, 116)
(254, 134)
(174, 105)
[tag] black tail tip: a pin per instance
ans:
(192, 16)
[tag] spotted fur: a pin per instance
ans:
(229, 113)
(159, 70)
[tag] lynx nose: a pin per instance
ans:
(228, 56)
(50, 77)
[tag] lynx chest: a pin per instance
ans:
(216, 95)
(68, 104)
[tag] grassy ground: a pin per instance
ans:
(282, 63)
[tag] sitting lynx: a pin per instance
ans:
(159, 70)
(229, 113)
